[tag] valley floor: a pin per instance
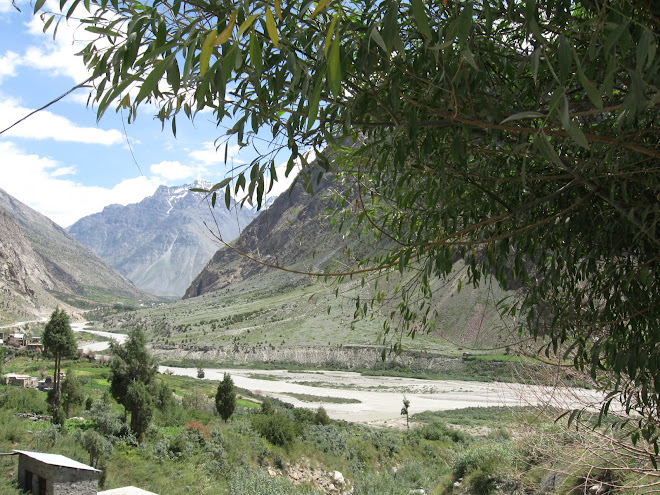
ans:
(357, 398)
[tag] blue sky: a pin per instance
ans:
(60, 161)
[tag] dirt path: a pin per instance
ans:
(381, 397)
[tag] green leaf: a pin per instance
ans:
(529, 114)
(224, 36)
(536, 57)
(255, 53)
(220, 184)
(375, 35)
(422, 21)
(469, 58)
(591, 90)
(546, 149)
(328, 36)
(101, 30)
(334, 68)
(578, 136)
(465, 24)
(319, 8)
(151, 82)
(271, 27)
(38, 4)
(565, 59)
(278, 9)
(228, 197)
(246, 24)
(207, 49)
(314, 104)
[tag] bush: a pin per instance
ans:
(22, 400)
(328, 439)
(385, 442)
(439, 431)
(257, 482)
(486, 457)
(276, 428)
(321, 416)
(107, 421)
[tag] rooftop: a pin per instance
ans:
(56, 460)
(126, 490)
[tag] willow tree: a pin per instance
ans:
(520, 136)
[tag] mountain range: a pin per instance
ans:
(42, 266)
(164, 241)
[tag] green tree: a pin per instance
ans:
(133, 380)
(520, 136)
(139, 402)
(225, 398)
(59, 342)
(73, 394)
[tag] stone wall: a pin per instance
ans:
(59, 480)
(344, 357)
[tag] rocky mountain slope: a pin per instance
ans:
(162, 242)
(290, 233)
(41, 266)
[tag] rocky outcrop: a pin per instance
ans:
(162, 242)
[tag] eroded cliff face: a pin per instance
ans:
(23, 274)
(343, 357)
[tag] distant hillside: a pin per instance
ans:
(42, 265)
(292, 233)
(160, 243)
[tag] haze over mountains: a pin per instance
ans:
(161, 243)
(41, 266)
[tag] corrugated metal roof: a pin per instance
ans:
(56, 460)
(127, 490)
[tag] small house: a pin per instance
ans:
(18, 380)
(40, 473)
(16, 339)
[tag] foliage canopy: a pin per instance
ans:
(521, 136)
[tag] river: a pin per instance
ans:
(375, 400)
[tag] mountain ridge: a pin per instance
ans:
(43, 266)
(161, 242)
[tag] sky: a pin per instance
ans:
(64, 164)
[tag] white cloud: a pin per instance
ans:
(59, 172)
(34, 180)
(174, 171)
(8, 64)
(208, 154)
(5, 6)
(47, 125)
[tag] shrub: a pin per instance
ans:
(257, 482)
(439, 431)
(22, 400)
(328, 439)
(321, 416)
(107, 421)
(385, 442)
(486, 457)
(276, 428)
